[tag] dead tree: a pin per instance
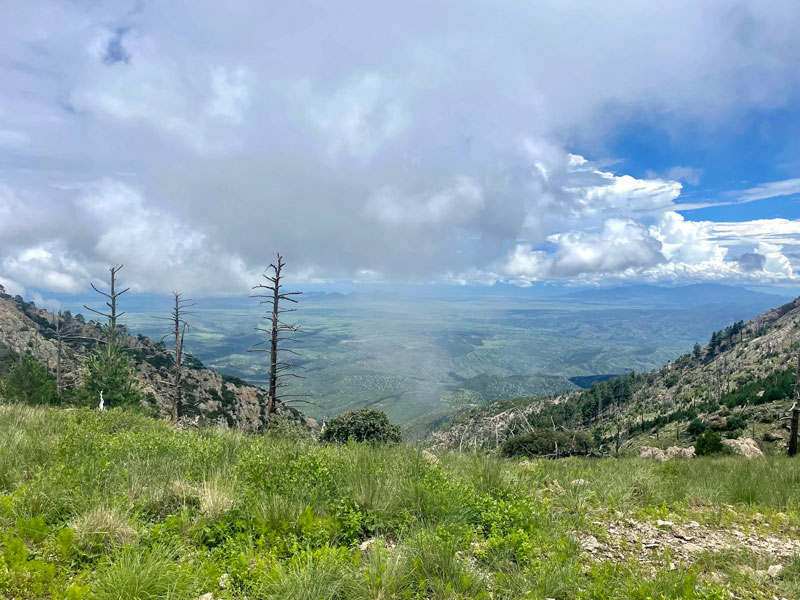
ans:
(279, 333)
(795, 410)
(112, 316)
(179, 327)
(65, 330)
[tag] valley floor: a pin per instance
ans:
(115, 505)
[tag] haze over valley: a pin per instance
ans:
(420, 353)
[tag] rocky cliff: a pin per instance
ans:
(210, 397)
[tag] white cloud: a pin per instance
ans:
(12, 287)
(416, 142)
(774, 189)
(688, 242)
(621, 245)
(455, 204)
(672, 249)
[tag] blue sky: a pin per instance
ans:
(758, 147)
(458, 143)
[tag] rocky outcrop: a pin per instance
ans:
(746, 447)
(668, 454)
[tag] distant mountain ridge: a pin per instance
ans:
(703, 293)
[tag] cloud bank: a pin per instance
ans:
(409, 142)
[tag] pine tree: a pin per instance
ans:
(109, 377)
(29, 383)
(109, 369)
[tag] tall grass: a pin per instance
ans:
(116, 505)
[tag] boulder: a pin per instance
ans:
(678, 452)
(650, 452)
(746, 447)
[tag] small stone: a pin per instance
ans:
(590, 544)
(366, 544)
(661, 523)
(430, 457)
(681, 534)
(774, 570)
(206, 596)
(579, 482)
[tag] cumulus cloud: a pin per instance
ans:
(622, 244)
(371, 141)
(670, 250)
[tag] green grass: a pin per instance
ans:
(114, 505)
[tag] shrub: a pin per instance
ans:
(30, 383)
(546, 442)
(708, 442)
(696, 427)
(735, 422)
(364, 425)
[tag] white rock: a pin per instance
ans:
(430, 457)
(366, 544)
(774, 570)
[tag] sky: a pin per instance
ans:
(464, 143)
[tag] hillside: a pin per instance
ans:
(738, 384)
(114, 506)
(212, 398)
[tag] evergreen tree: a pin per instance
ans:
(109, 369)
(29, 383)
(698, 351)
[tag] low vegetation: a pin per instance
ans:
(114, 505)
(548, 443)
(363, 425)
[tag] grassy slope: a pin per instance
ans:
(115, 505)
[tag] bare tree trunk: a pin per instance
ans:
(273, 351)
(795, 410)
(178, 352)
(278, 368)
(179, 326)
(112, 299)
(64, 331)
(59, 341)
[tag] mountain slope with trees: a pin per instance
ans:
(740, 383)
(210, 397)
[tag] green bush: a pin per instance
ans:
(29, 383)
(708, 442)
(696, 427)
(546, 442)
(364, 425)
(735, 423)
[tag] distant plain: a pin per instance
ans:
(419, 358)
